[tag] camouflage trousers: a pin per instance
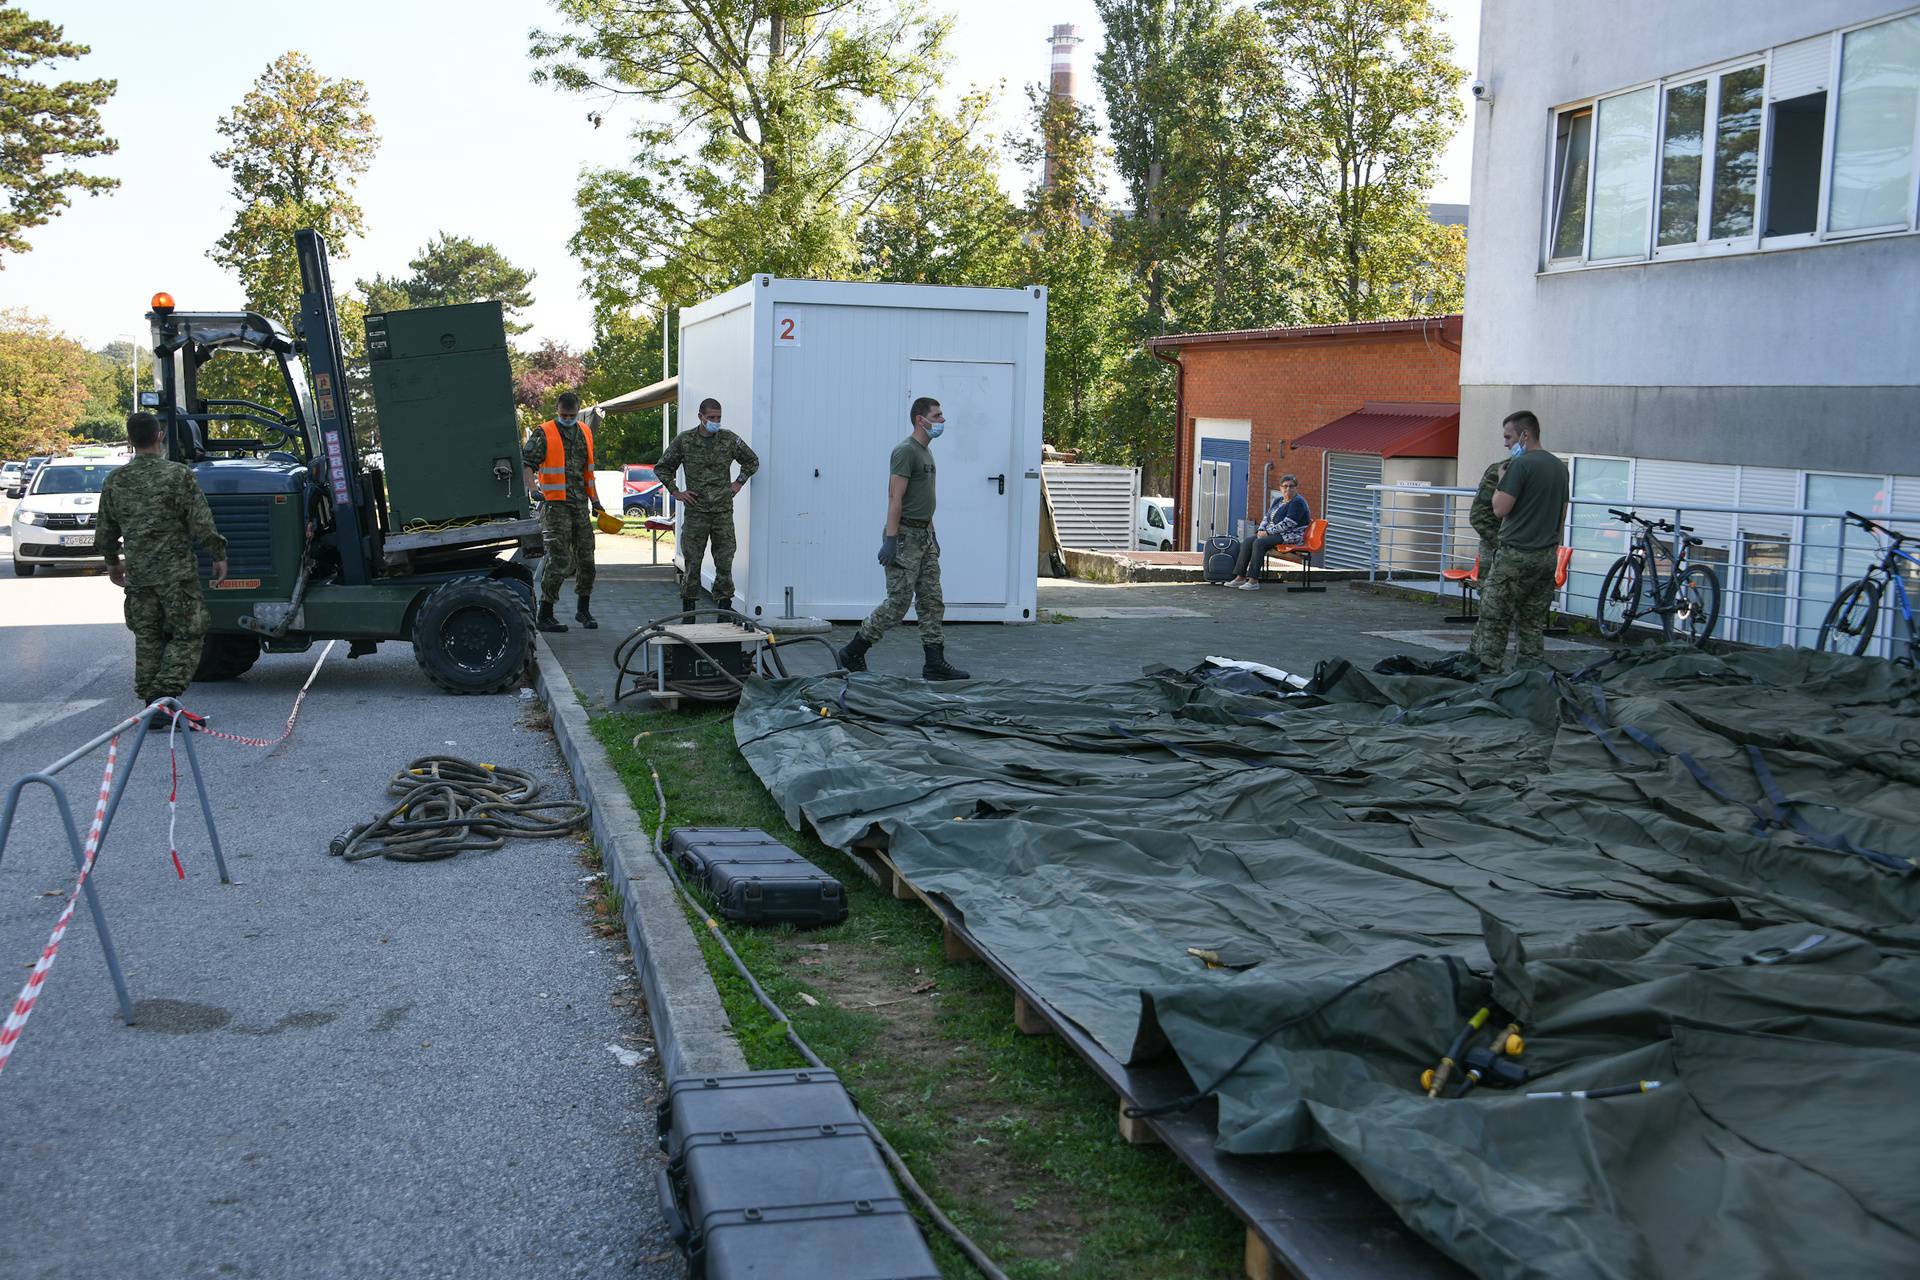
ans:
(703, 527)
(567, 529)
(1487, 556)
(912, 581)
(169, 625)
(1516, 596)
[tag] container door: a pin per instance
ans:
(978, 476)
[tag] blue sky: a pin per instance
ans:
(469, 144)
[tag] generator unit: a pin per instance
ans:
(443, 385)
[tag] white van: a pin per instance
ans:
(1153, 524)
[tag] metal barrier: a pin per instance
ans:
(140, 723)
(1779, 567)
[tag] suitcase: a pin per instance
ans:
(1219, 557)
(754, 879)
(775, 1174)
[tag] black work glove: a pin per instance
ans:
(889, 549)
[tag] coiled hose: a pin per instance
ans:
(973, 1252)
(723, 686)
(451, 806)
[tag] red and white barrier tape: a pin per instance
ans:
(291, 716)
(173, 794)
(23, 1006)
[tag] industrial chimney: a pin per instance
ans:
(1065, 82)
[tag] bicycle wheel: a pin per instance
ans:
(1848, 627)
(1620, 593)
(1696, 605)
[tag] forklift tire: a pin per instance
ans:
(227, 657)
(472, 635)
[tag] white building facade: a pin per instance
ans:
(1694, 254)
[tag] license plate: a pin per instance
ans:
(76, 539)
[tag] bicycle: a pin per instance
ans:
(1688, 595)
(1849, 624)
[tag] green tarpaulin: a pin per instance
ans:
(1678, 867)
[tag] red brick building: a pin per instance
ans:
(1246, 397)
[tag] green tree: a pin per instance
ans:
(935, 211)
(625, 357)
(1068, 248)
(759, 116)
(1375, 106)
(42, 122)
(452, 269)
(296, 145)
(47, 381)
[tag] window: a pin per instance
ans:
(1778, 153)
(1597, 538)
(1832, 551)
(1799, 131)
(1570, 183)
(1873, 137)
(1762, 602)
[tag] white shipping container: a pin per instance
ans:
(817, 376)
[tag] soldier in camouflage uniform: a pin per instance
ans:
(559, 458)
(910, 551)
(1485, 523)
(1531, 500)
(707, 454)
(156, 510)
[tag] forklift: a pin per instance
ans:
(430, 547)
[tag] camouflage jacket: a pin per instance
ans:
(574, 443)
(708, 460)
(1480, 515)
(155, 508)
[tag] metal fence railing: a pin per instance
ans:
(1779, 567)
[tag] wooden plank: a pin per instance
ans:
(1135, 1131)
(705, 633)
(1027, 1019)
(1260, 1263)
(955, 948)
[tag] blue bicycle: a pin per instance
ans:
(1850, 623)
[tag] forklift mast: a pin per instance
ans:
(354, 520)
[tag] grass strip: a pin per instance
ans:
(1013, 1136)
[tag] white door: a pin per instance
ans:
(977, 475)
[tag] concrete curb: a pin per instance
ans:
(690, 1026)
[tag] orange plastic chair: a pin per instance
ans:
(1469, 580)
(1560, 563)
(1314, 542)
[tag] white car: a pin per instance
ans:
(1153, 524)
(54, 522)
(10, 474)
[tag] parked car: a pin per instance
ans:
(11, 477)
(1153, 524)
(641, 493)
(27, 471)
(54, 522)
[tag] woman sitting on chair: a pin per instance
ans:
(1286, 524)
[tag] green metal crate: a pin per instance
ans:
(443, 385)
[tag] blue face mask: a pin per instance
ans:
(1519, 447)
(568, 422)
(709, 427)
(934, 429)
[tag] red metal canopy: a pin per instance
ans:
(1391, 429)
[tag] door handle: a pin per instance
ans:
(1000, 480)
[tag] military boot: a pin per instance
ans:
(584, 616)
(854, 656)
(546, 621)
(689, 603)
(937, 667)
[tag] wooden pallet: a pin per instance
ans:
(1356, 1246)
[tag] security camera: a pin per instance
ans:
(1480, 91)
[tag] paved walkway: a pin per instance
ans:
(381, 1069)
(1088, 631)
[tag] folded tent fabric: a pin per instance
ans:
(1509, 854)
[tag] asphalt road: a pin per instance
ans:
(382, 1069)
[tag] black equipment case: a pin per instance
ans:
(754, 879)
(1218, 557)
(775, 1174)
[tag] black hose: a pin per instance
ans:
(973, 1252)
(450, 806)
(723, 687)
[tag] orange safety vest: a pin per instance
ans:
(553, 465)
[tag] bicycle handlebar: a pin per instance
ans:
(1874, 526)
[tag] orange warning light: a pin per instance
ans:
(163, 302)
